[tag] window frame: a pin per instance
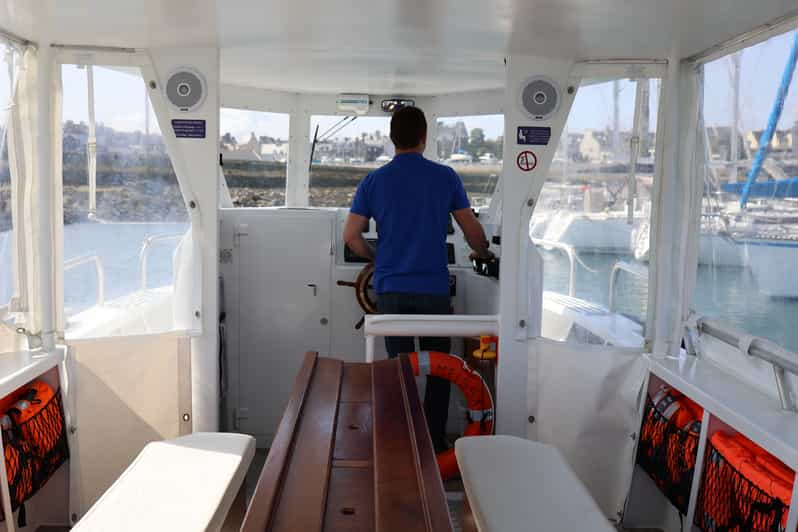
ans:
(142, 61)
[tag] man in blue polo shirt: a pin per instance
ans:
(411, 199)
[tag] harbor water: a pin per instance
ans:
(729, 294)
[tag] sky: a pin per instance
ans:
(120, 100)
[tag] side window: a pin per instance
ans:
(255, 152)
(592, 220)
(473, 146)
(748, 244)
(125, 221)
(8, 58)
(344, 150)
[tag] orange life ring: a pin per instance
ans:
(471, 384)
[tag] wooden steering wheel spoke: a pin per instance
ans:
(362, 285)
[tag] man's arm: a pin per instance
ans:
(474, 234)
(353, 236)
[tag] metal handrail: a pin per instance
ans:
(145, 251)
(638, 270)
(98, 266)
(570, 252)
(781, 359)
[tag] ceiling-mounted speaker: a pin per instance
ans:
(540, 98)
(186, 89)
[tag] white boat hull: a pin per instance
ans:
(599, 233)
(772, 264)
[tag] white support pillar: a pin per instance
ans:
(196, 163)
(677, 216)
(44, 148)
(297, 185)
(520, 283)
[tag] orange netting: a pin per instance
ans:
(669, 444)
(744, 489)
(34, 440)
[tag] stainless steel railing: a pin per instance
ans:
(98, 267)
(570, 252)
(781, 359)
(145, 252)
(638, 270)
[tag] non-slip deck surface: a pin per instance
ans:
(352, 453)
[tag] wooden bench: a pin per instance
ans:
(187, 484)
(352, 452)
(517, 485)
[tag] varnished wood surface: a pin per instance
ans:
(352, 453)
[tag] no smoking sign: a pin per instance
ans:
(526, 161)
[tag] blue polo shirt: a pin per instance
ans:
(410, 198)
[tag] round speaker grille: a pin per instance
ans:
(185, 89)
(540, 98)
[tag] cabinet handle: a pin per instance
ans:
(313, 286)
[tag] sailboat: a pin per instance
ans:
(187, 341)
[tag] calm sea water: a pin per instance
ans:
(118, 246)
(729, 294)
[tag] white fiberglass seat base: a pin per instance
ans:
(187, 483)
(515, 484)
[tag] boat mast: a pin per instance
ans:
(734, 152)
(91, 145)
(773, 121)
(616, 120)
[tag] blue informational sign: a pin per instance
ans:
(533, 136)
(189, 129)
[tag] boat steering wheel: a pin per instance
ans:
(362, 286)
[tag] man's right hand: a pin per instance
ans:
(486, 255)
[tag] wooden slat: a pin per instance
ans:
(353, 433)
(350, 505)
(305, 486)
(430, 485)
(357, 383)
(265, 497)
(397, 501)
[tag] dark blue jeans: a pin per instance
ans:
(436, 396)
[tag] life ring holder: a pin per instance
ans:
(474, 389)
(362, 284)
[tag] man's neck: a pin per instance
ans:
(418, 149)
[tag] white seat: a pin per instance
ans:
(186, 484)
(514, 484)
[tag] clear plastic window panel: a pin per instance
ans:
(254, 147)
(344, 150)
(748, 246)
(7, 67)
(120, 258)
(592, 221)
(473, 145)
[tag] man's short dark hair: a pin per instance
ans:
(408, 127)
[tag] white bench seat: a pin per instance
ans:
(187, 484)
(515, 484)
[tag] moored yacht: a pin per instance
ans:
(190, 341)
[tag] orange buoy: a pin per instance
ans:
(471, 384)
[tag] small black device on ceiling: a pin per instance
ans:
(392, 105)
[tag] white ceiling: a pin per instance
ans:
(392, 46)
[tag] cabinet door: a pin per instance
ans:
(284, 272)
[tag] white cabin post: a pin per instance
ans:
(520, 284)
(46, 200)
(196, 163)
(297, 183)
(678, 201)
